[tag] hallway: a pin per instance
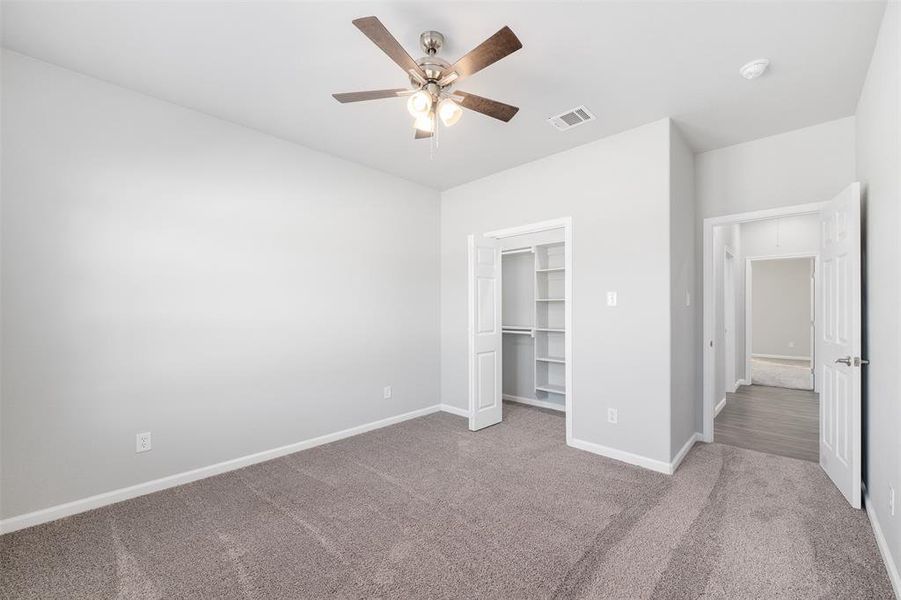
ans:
(770, 419)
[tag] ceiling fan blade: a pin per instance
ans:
(381, 37)
(421, 135)
(370, 95)
(499, 45)
(486, 106)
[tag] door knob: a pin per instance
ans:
(845, 361)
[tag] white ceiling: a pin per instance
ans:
(273, 67)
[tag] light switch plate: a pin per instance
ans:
(612, 416)
(611, 298)
(387, 392)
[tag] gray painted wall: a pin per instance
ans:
(617, 192)
(878, 159)
(169, 272)
(685, 315)
(781, 307)
(805, 165)
(725, 236)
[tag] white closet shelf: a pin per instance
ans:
(551, 270)
(550, 299)
(550, 330)
(551, 359)
(550, 388)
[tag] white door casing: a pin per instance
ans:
(485, 343)
(838, 345)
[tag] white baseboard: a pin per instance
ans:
(538, 403)
(454, 410)
(78, 506)
(742, 382)
(626, 457)
(781, 357)
(884, 550)
(720, 406)
(683, 452)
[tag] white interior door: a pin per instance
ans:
(485, 375)
(729, 319)
(839, 342)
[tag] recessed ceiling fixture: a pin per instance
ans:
(754, 69)
(430, 97)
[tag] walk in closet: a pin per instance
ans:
(534, 303)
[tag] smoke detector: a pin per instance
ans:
(754, 69)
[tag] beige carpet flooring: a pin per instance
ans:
(427, 509)
(775, 372)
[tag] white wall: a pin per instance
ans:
(806, 165)
(878, 159)
(685, 316)
(165, 271)
(781, 307)
(617, 192)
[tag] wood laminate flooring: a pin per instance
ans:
(770, 419)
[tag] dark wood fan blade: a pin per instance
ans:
(499, 45)
(381, 37)
(370, 95)
(421, 135)
(486, 106)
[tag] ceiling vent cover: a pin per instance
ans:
(571, 118)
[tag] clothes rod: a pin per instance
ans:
(518, 251)
(517, 331)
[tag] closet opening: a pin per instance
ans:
(520, 321)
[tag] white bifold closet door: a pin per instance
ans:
(485, 333)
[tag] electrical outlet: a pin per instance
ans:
(611, 298)
(142, 442)
(612, 416)
(891, 499)
(387, 392)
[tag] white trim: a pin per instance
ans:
(781, 357)
(620, 455)
(709, 293)
(454, 410)
(566, 223)
(883, 546)
(84, 504)
(533, 402)
(719, 407)
(742, 382)
(683, 452)
(667, 468)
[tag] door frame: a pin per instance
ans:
(729, 351)
(564, 223)
(814, 294)
(709, 308)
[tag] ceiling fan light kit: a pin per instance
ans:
(432, 78)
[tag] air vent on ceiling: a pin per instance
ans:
(571, 118)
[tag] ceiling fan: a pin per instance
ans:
(431, 96)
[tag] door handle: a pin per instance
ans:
(855, 361)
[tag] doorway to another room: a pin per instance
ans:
(782, 334)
